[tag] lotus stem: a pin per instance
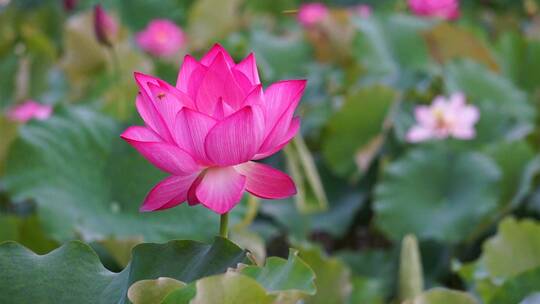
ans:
(223, 223)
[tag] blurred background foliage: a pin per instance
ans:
(473, 206)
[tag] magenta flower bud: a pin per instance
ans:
(105, 27)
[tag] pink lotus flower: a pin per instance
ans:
(206, 131)
(29, 110)
(444, 118)
(311, 14)
(362, 10)
(161, 38)
(105, 27)
(445, 9)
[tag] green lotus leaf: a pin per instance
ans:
(87, 181)
(73, 273)
(436, 193)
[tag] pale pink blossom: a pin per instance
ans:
(310, 14)
(207, 131)
(444, 118)
(29, 110)
(444, 9)
(105, 26)
(161, 38)
(362, 10)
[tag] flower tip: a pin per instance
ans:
(137, 74)
(302, 83)
(127, 134)
(221, 51)
(217, 45)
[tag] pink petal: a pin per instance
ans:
(183, 98)
(248, 67)
(281, 96)
(142, 134)
(166, 157)
(424, 116)
(243, 82)
(280, 129)
(189, 65)
(439, 102)
(266, 182)
(466, 118)
(221, 189)
(147, 109)
(418, 134)
(151, 116)
(470, 115)
(191, 129)
(457, 100)
(190, 76)
(464, 133)
(218, 82)
(222, 110)
(143, 80)
(255, 97)
(217, 49)
(168, 193)
(273, 144)
(166, 104)
(235, 139)
(191, 194)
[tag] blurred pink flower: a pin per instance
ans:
(362, 10)
(444, 118)
(310, 14)
(29, 110)
(105, 26)
(445, 9)
(206, 130)
(161, 38)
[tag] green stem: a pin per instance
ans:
(224, 221)
(117, 72)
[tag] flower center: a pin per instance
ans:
(440, 120)
(161, 37)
